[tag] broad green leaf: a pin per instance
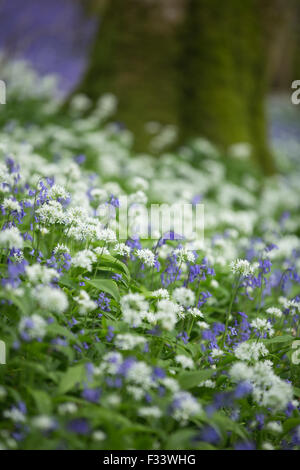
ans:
(180, 439)
(42, 400)
(56, 329)
(290, 424)
(114, 263)
(279, 339)
(67, 282)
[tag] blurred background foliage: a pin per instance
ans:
(222, 70)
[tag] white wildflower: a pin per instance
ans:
(274, 426)
(122, 249)
(242, 267)
(150, 412)
(58, 192)
(11, 205)
(185, 406)
(263, 326)
(37, 274)
(195, 312)
(67, 408)
(167, 314)
(99, 435)
(34, 326)
(203, 325)
(128, 341)
(43, 422)
(84, 259)
(86, 304)
(52, 299)
(51, 213)
(161, 294)
(184, 255)
(250, 351)
(276, 312)
(146, 256)
(134, 307)
(11, 238)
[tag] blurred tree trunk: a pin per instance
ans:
(134, 57)
(224, 81)
(198, 64)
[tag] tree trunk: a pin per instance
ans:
(134, 57)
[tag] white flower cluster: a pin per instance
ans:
(51, 299)
(184, 255)
(128, 341)
(243, 267)
(58, 192)
(34, 326)
(84, 259)
(185, 361)
(52, 213)
(263, 326)
(185, 406)
(86, 304)
(11, 205)
(38, 273)
(275, 312)
(161, 294)
(167, 314)
(122, 249)
(11, 238)
(134, 308)
(146, 256)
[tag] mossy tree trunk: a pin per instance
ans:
(198, 64)
(223, 59)
(134, 57)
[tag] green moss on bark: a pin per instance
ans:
(223, 58)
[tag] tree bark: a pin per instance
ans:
(224, 81)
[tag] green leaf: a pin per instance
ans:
(71, 377)
(115, 264)
(297, 392)
(225, 424)
(290, 424)
(180, 439)
(67, 282)
(42, 400)
(191, 379)
(56, 329)
(106, 285)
